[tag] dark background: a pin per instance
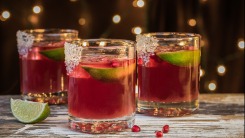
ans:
(220, 22)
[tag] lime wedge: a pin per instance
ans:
(181, 58)
(29, 112)
(109, 74)
(55, 54)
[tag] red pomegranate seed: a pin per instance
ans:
(159, 133)
(135, 128)
(165, 129)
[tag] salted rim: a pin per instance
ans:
(24, 42)
(145, 44)
(73, 54)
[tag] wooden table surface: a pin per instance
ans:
(219, 115)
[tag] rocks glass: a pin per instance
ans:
(168, 73)
(42, 70)
(102, 78)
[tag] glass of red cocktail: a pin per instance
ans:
(43, 75)
(168, 73)
(101, 92)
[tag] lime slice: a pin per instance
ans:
(109, 74)
(29, 112)
(55, 54)
(181, 58)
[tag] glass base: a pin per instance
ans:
(50, 98)
(97, 126)
(167, 109)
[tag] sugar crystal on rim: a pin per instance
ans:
(73, 54)
(24, 42)
(146, 45)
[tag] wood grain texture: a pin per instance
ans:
(219, 116)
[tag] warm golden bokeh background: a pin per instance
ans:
(220, 22)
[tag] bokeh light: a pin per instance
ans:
(5, 14)
(36, 9)
(116, 18)
(140, 3)
(212, 86)
(137, 30)
(240, 44)
(33, 19)
(192, 22)
(82, 21)
(221, 69)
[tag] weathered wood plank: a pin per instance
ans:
(219, 116)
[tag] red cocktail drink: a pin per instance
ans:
(102, 91)
(43, 75)
(94, 98)
(168, 80)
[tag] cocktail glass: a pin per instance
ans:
(168, 73)
(101, 93)
(42, 70)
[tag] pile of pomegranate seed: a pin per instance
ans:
(165, 129)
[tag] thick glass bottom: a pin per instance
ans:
(97, 126)
(50, 98)
(167, 109)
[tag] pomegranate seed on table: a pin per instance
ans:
(135, 128)
(159, 133)
(165, 129)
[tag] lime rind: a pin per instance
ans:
(109, 74)
(181, 58)
(55, 54)
(29, 112)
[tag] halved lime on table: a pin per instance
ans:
(181, 58)
(55, 54)
(109, 74)
(29, 112)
